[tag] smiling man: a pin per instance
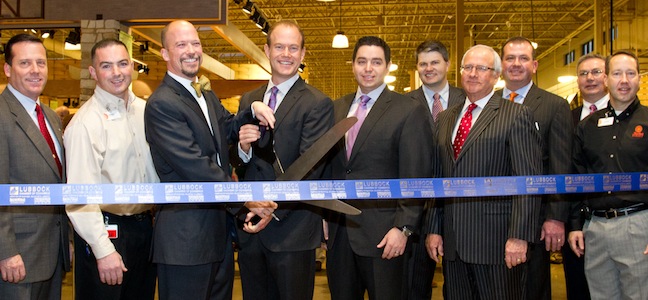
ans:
(392, 139)
(614, 234)
(106, 139)
(551, 116)
(303, 114)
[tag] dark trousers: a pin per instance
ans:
(539, 270)
(575, 280)
(275, 275)
(213, 281)
(134, 245)
(464, 281)
(420, 272)
(349, 274)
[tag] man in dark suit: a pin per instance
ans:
(432, 64)
(591, 86)
(34, 242)
(486, 136)
(303, 114)
(188, 131)
(391, 140)
(551, 116)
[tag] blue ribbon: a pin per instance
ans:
(218, 192)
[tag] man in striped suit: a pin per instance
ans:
(484, 240)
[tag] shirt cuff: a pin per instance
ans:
(245, 157)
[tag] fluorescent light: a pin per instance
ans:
(69, 46)
(566, 78)
(390, 78)
(393, 67)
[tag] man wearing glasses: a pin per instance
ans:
(484, 240)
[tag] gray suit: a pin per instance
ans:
(38, 233)
(502, 142)
(455, 96)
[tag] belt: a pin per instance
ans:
(139, 217)
(619, 212)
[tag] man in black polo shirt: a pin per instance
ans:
(614, 140)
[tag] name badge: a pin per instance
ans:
(602, 122)
(113, 231)
(112, 115)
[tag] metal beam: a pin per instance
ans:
(240, 41)
(209, 63)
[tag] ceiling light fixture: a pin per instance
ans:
(340, 41)
(301, 68)
(248, 7)
(47, 34)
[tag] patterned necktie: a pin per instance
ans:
(202, 84)
(464, 129)
(592, 109)
(437, 107)
(48, 138)
(512, 96)
(273, 98)
(361, 113)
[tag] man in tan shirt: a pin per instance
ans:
(106, 144)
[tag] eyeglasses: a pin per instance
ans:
(480, 69)
(594, 72)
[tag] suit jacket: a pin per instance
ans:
(502, 142)
(393, 142)
(552, 116)
(184, 150)
(38, 233)
(576, 113)
(303, 116)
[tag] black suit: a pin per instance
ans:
(302, 117)
(574, 266)
(184, 150)
(502, 142)
(551, 115)
(421, 266)
(393, 142)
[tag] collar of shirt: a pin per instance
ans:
(622, 115)
(283, 88)
(111, 102)
(481, 103)
(184, 82)
(26, 102)
(521, 93)
(600, 103)
(374, 95)
(444, 95)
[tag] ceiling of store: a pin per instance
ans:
(403, 24)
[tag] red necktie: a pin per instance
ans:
(437, 107)
(361, 113)
(512, 96)
(48, 138)
(592, 109)
(464, 129)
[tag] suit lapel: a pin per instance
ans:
(455, 96)
(419, 95)
(212, 100)
(485, 118)
(289, 102)
(376, 112)
(32, 131)
(453, 118)
(185, 96)
(532, 99)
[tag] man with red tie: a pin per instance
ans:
(33, 239)
(484, 240)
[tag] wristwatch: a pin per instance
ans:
(406, 231)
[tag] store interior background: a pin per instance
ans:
(233, 39)
(233, 43)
